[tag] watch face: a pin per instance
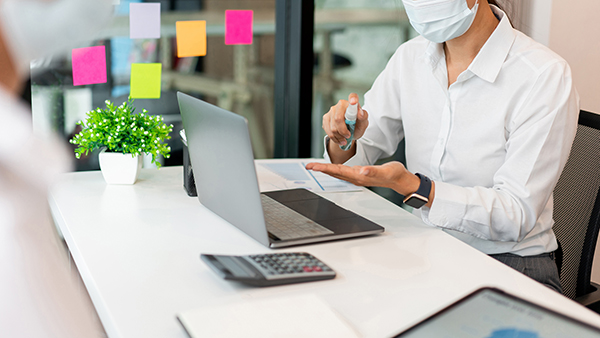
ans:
(416, 201)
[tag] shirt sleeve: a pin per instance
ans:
(385, 131)
(539, 138)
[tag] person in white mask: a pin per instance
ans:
(488, 116)
(38, 294)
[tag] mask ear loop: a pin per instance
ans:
(476, 6)
(475, 9)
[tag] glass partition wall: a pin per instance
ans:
(351, 44)
(239, 78)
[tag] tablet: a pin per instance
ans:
(492, 313)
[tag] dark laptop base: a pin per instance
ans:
(344, 223)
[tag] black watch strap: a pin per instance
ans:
(421, 196)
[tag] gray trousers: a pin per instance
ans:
(542, 267)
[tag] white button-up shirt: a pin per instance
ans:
(495, 142)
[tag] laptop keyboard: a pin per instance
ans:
(286, 223)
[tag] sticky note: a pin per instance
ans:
(89, 65)
(238, 27)
(144, 20)
(191, 38)
(145, 80)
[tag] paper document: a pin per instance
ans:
(294, 175)
(295, 316)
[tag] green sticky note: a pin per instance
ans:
(145, 80)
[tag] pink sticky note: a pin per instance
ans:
(238, 27)
(144, 20)
(89, 65)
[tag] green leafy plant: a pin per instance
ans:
(120, 129)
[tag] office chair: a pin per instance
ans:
(577, 212)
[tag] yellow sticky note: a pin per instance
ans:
(145, 80)
(191, 38)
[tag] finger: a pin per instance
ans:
(339, 120)
(330, 128)
(339, 177)
(342, 172)
(346, 173)
(363, 115)
(322, 167)
(336, 137)
(326, 121)
(329, 169)
(362, 123)
(353, 98)
(342, 177)
(310, 165)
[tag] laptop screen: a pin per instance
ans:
(491, 313)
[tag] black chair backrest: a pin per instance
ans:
(577, 208)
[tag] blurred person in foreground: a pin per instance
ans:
(38, 294)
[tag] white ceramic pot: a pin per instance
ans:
(119, 168)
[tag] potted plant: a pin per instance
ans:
(123, 136)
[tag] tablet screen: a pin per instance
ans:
(491, 313)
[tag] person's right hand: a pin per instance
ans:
(334, 122)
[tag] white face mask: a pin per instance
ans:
(35, 28)
(440, 20)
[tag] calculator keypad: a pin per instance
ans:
(286, 265)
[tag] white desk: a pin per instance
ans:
(137, 250)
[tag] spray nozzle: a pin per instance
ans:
(351, 112)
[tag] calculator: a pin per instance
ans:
(269, 269)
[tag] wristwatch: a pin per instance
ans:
(421, 197)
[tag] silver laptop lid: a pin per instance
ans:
(223, 163)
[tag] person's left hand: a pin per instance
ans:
(389, 175)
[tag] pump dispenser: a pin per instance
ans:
(350, 116)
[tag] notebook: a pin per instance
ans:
(272, 317)
(492, 313)
(223, 163)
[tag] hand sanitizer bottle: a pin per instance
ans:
(351, 113)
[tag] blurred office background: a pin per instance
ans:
(353, 39)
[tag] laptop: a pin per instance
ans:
(223, 163)
(492, 313)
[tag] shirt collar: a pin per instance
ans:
(491, 57)
(435, 53)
